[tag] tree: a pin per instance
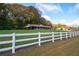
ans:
(5, 23)
(18, 16)
(28, 15)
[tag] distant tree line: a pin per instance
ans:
(17, 16)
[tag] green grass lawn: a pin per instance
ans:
(27, 31)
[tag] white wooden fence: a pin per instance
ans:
(53, 35)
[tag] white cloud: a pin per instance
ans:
(48, 18)
(62, 21)
(57, 8)
(70, 23)
(38, 6)
(48, 7)
(76, 22)
(77, 7)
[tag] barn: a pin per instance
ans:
(35, 26)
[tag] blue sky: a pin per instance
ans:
(64, 13)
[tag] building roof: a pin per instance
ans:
(35, 25)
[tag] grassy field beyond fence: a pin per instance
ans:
(27, 31)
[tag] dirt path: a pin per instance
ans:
(68, 47)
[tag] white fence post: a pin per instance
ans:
(52, 36)
(70, 34)
(39, 39)
(13, 43)
(73, 34)
(66, 35)
(76, 33)
(61, 35)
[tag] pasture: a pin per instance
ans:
(27, 31)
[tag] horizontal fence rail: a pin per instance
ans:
(40, 37)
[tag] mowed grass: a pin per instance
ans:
(65, 47)
(27, 31)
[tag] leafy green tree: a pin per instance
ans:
(14, 16)
(5, 23)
